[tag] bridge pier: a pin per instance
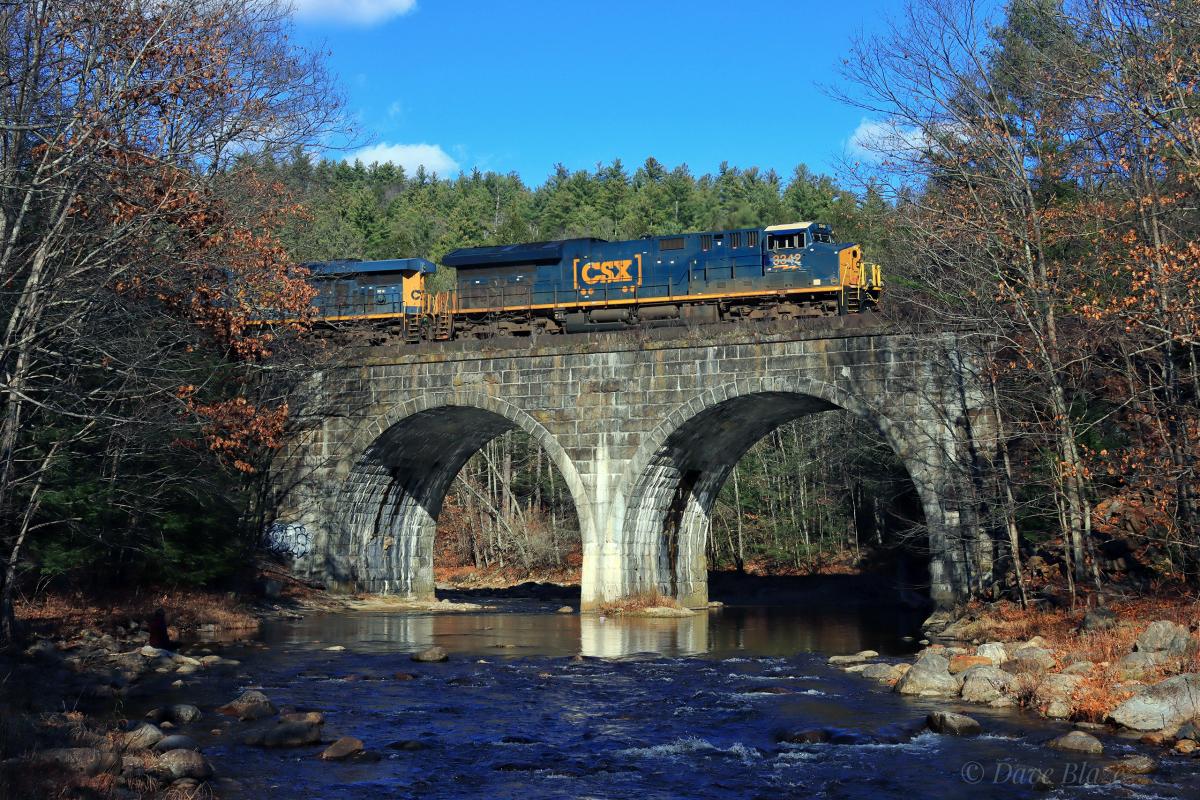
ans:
(644, 433)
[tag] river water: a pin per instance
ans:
(656, 708)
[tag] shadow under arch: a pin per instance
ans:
(679, 469)
(409, 456)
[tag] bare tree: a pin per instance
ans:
(132, 231)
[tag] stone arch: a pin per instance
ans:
(407, 458)
(676, 473)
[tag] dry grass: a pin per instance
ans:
(494, 577)
(1101, 691)
(1008, 622)
(185, 610)
(638, 602)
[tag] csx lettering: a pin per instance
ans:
(595, 272)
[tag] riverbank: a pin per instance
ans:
(1130, 670)
(64, 727)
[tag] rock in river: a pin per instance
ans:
(929, 677)
(880, 672)
(183, 714)
(987, 684)
(855, 658)
(285, 734)
(184, 764)
(1166, 704)
(176, 742)
(1078, 742)
(343, 748)
(1133, 765)
(432, 654)
(249, 706)
(952, 724)
(142, 737)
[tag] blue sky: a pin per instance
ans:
(519, 85)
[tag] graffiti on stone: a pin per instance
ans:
(288, 540)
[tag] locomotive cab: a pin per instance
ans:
(352, 289)
(811, 257)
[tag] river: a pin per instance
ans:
(656, 708)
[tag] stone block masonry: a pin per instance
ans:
(644, 431)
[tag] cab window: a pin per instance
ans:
(785, 241)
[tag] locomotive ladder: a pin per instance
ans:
(439, 310)
(853, 298)
(412, 328)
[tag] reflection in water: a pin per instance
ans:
(613, 637)
(727, 631)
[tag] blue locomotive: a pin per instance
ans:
(573, 285)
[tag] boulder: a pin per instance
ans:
(987, 684)
(993, 651)
(1078, 742)
(175, 742)
(929, 677)
(1136, 665)
(1186, 747)
(964, 662)
(285, 734)
(880, 672)
(1166, 704)
(1167, 637)
(1079, 668)
(183, 714)
(430, 655)
(854, 658)
(251, 705)
(566, 610)
(184, 764)
(1055, 693)
(951, 724)
(1133, 765)
(404, 676)
(1032, 659)
(142, 737)
(343, 748)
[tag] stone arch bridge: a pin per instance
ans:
(643, 429)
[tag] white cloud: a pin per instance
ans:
(353, 12)
(874, 141)
(409, 156)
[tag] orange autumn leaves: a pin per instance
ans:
(233, 429)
